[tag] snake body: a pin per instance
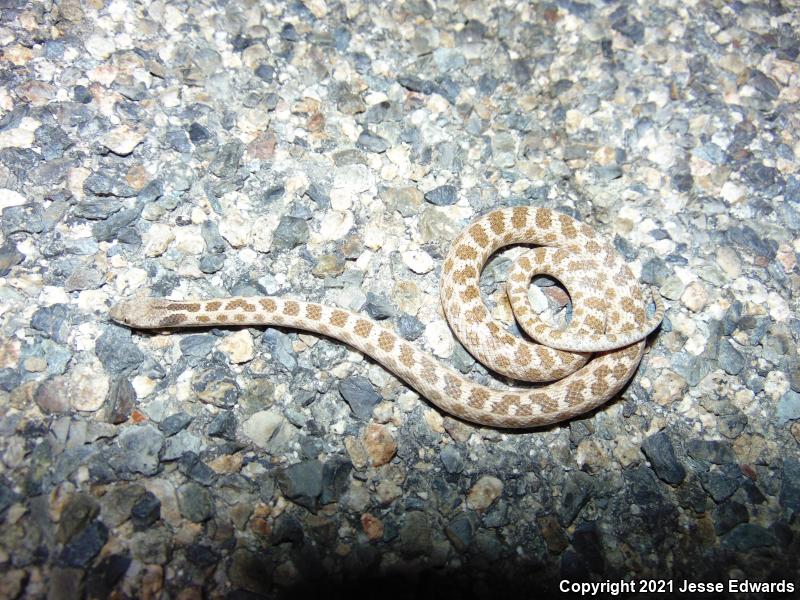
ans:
(609, 319)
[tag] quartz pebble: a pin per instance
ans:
(484, 492)
(122, 140)
(418, 261)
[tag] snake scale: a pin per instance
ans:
(588, 362)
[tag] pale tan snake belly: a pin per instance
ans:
(609, 319)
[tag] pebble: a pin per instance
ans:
(788, 407)
(329, 265)
(26, 218)
(179, 444)
(418, 261)
(444, 195)
(122, 140)
(195, 502)
(379, 443)
(269, 430)
(223, 425)
(372, 526)
(287, 150)
(140, 449)
(659, 451)
(9, 198)
(77, 512)
(87, 389)
(748, 536)
(238, 347)
(405, 200)
(359, 394)
(409, 327)
(439, 339)
(281, 348)
(504, 149)
(371, 142)
(146, 511)
(576, 493)
(335, 225)
(82, 548)
(694, 297)
(302, 483)
(711, 451)
(415, 534)
(378, 307)
(673, 288)
(287, 528)
(234, 229)
(451, 459)
(353, 179)
(730, 359)
(117, 352)
(484, 492)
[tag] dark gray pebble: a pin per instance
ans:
(175, 423)
(444, 195)
(659, 451)
(371, 142)
(409, 327)
(378, 307)
(117, 352)
(195, 502)
(223, 425)
(120, 401)
(82, 548)
(146, 511)
(302, 483)
(359, 395)
(290, 232)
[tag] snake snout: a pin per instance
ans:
(117, 313)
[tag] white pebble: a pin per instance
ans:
(157, 239)
(262, 232)
(238, 347)
(20, 137)
(353, 179)
(235, 228)
(189, 241)
(335, 224)
(10, 198)
(88, 387)
(418, 261)
(99, 47)
(122, 140)
(695, 297)
(439, 338)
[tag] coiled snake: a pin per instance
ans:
(609, 319)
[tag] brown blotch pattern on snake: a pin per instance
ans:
(479, 235)
(407, 355)
(187, 306)
(338, 318)
(386, 341)
(240, 304)
(314, 312)
(173, 320)
(362, 328)
(268, 304)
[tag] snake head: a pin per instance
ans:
(133, 313)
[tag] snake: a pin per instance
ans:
(561, 372)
